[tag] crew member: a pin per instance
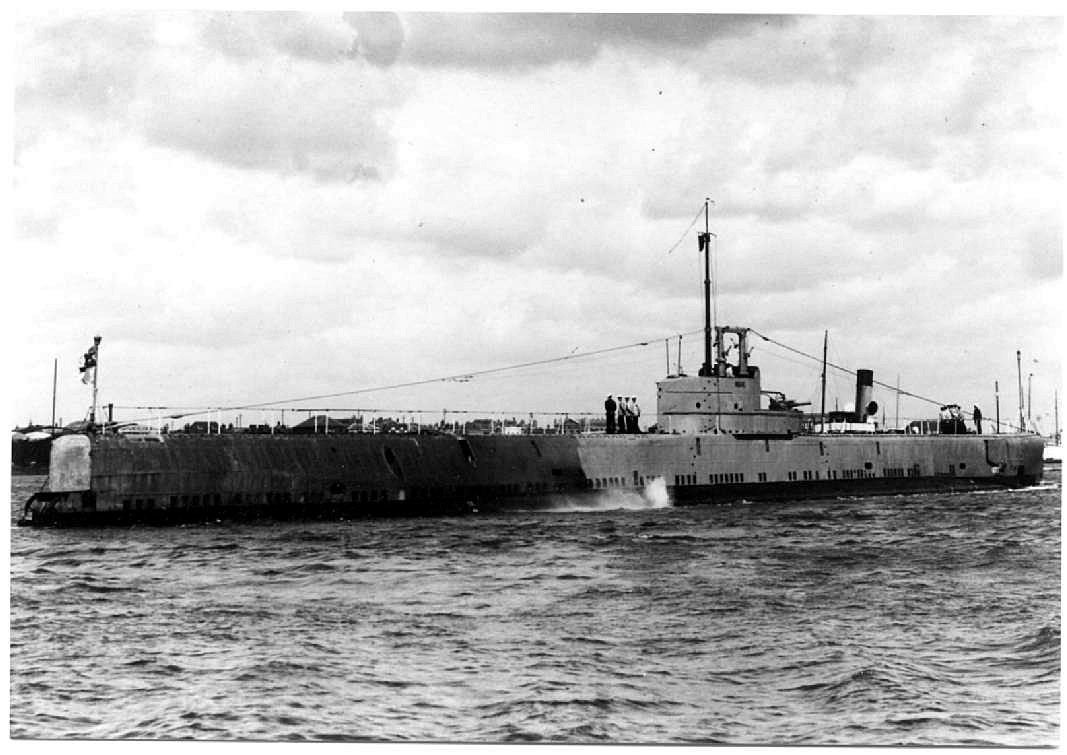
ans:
(629, 415)
(635, 412)
(977, 419)
(609, 415)
(624, 412)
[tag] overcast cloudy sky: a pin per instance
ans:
(255, 206)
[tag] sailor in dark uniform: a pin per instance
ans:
(977, 419)
(609, 415)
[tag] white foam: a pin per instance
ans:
(653, 496)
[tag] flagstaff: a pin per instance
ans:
(89, 362)
(96, 371)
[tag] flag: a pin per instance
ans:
(702, 241)
(88, 363)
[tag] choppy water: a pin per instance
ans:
(924, 619)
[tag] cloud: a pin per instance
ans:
(523, 40)
(277, 117)
(275, 92)
(84, 62)
(322, 38)
(251, 206)
(379, 36)
(917, 90)
(1043, 251)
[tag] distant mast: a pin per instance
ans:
(822, 408)
(1056, 417)
(55, 377)
(996, 395)
(896, 422)
(1019, 370)
(1029, 393)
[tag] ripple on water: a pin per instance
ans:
(931, 620)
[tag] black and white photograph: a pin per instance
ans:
(558, 376)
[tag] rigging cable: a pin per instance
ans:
(715, 281)
(687, 230)
(274, 405)
(845, 369)
(460, 376)
(464, 376)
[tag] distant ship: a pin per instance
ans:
(715, 441)
(30, 450)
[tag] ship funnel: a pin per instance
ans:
(864, 386)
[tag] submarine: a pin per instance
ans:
(716, 441)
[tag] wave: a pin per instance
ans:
(1041, 486)
(1045, 638)
(924, 621)
(653, 496)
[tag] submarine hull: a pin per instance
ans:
(98, 480)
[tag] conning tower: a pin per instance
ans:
(728, 400)
(724, 397)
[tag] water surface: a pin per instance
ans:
(919, 619)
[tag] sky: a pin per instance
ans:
(256, 207)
